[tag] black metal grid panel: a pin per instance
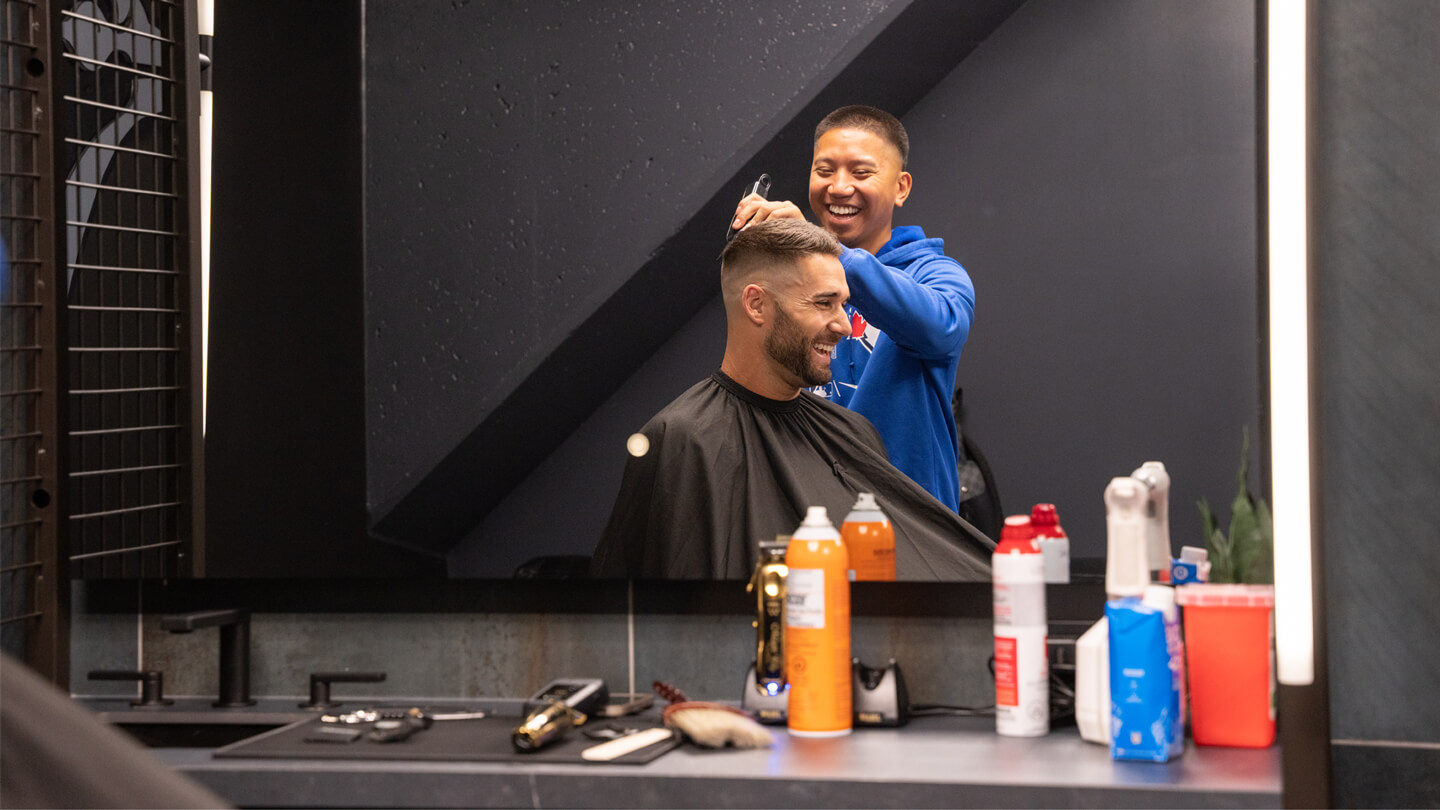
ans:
(127, 287)
(33, 613)
(20, 434)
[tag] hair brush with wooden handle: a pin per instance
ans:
(711, 725)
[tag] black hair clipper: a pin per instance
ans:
(761, 187)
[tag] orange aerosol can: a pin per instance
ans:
(817, 629)
(869, 540)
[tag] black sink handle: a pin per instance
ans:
(152, 684)
(320, 686)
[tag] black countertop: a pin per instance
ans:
(933, 762)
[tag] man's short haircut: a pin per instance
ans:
(770, 243)
(875, 121)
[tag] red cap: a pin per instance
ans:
(1017, 537)
(1046, 520)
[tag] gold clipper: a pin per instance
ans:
(765, 687)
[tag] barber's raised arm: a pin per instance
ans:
(929, 314)
(755, 209)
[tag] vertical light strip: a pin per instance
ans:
(205, 19)
(1289, 340)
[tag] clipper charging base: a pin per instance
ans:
(765, 707)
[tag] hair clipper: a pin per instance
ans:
(765, 692)
(545, 725)
(761, 187)
(559, 706)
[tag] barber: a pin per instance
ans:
(910, 305)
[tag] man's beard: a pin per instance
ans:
(792, 349)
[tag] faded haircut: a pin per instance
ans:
(877, 122)
(772, 244)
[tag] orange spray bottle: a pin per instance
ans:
(817, 629)
(869, 540)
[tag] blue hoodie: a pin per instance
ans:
(910, 311)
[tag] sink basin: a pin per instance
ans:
(193, 735)
(192, 722)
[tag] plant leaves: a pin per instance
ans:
(1262, 569)
(1222, 564)
(1217, 548)
(1243, 528)
(1208, 522)
(1247, 554)
(1244, 458)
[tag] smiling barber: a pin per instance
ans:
(910, 305)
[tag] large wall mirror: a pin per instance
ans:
(523, 239)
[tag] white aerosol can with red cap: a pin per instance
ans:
(1054, 543)
(1022, 668)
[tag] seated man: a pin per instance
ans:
(739, 457)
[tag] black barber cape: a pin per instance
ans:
(727, 468)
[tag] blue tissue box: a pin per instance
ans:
(1145, 682)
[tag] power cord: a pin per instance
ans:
(1062, 701)
(933, 709)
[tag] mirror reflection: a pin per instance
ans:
(543, 203)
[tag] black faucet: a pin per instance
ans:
(234, 650)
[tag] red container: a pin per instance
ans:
(1229, 638)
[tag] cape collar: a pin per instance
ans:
(764, 403)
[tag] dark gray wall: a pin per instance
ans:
(1377, 250)
(1093, 166)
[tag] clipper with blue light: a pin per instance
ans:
(766, 693)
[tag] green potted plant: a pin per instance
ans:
(1247, 554)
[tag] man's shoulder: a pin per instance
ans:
(927, 263)
(691, 416)
(854, 422)
(928, 251)
(909, 249)
(828, 405)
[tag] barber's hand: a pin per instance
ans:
(755, 209)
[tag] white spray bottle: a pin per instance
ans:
(1157, 517)
(1127, 573)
